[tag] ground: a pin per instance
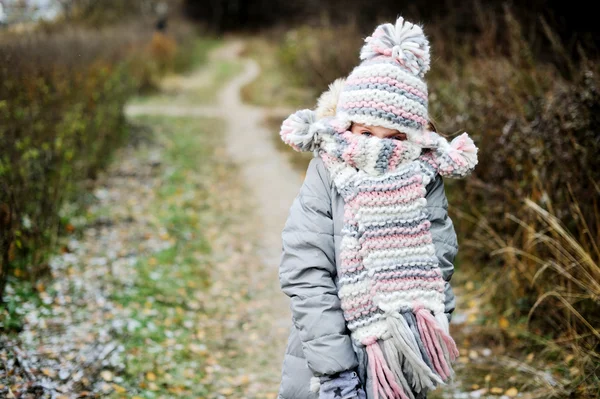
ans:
(168, 287)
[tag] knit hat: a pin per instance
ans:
(387, 89)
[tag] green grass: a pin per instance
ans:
(167, 353)
(273, 87)
(196, 53)
(176, 89)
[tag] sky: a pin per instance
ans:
(40, 9)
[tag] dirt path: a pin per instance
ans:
(273, 184)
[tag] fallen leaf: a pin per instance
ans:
(106, 375)
(530, 357)
(49, 372)
(503, 322)
(150, 376)
(496, 390)
(119, 389)
(511, 392)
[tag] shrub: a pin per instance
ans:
(61, 117)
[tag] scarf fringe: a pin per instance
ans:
(415, 356)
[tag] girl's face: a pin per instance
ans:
(377, 131)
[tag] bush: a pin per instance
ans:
(61, 117)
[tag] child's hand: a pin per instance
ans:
(344, 385)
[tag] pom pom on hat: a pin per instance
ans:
(456, 159)
(298, 130)
(463, 151)
(405, 42)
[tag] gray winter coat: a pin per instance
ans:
(319, 342)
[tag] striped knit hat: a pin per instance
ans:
(387, 89)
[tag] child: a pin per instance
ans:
(368, 246)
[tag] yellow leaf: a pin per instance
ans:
(119, 389)
(470, 285)
(226, 391)
(568, 358)
(511, 392)
(152, 261)
(48, 372)
(472, 318)
(530, 357)
(152, 386)
(503, 322)
(150, 376)
(244, 380)
(137, 397)
(488, 378)
(496, 390)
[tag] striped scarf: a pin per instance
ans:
(390, 285)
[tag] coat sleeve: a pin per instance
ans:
(306, 273)
(444, 237)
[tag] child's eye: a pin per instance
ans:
(366, 133)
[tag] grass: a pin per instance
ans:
(192, 87)
(167, 351)
(176, 344)
(273, 87)
(196, 54)
(203, 89)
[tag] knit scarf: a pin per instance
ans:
(390, 285)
